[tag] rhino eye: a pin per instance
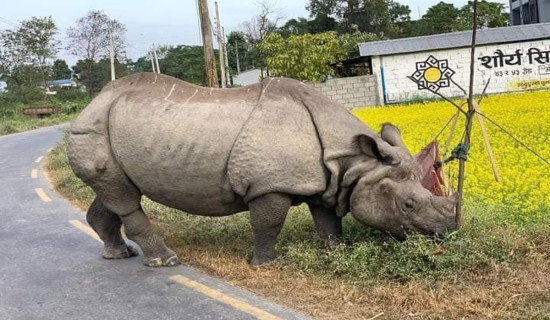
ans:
(409, 205)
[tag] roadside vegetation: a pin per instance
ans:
(497, 266)
(13, 120)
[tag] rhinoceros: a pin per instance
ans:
(261, 148)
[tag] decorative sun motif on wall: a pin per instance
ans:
(433, 74)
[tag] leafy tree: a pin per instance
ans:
(99, 74)
(350, 42)
(185, 62)
(303, 57)
(302, 25)
(489, 15)
(442, 18)
(60, 70)
(26, 51)
(89, 40)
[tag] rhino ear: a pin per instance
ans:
(392, 135)
(377, 149)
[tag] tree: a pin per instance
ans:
(186, 63)
(262, 24)
(89, 40)
(350, 42)
(302, 25)
(442, 18)
(303, 57)
(26, 52)
(489, 15)
(60, 70)
(99, 74)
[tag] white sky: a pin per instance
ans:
(162, 21)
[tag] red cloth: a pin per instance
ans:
(431, 178)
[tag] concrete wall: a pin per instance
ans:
(248, 77)
(544, 10)
(505, 77)
(351, 92)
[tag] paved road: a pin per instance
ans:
(50, 269)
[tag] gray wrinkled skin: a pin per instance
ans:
(262, 148)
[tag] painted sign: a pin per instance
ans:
(433, 74)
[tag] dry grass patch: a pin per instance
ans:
(493, 268)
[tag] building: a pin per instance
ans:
(512, 58)
(529, 11)
(248, 77)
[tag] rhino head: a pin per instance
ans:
(384, 191)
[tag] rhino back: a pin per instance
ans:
(173, 141)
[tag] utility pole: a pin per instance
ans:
(209, 58)
(113, 75)
(220, 45)
(153, 62)
(237, 54)
(156, 58)
(227, 76)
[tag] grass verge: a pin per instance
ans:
(12, 119)
(20, 124)
(492, 268)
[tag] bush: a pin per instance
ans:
(70, 94)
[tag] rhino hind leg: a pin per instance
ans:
(92, 161)
(107, 225)
(267, 217)
(138, 229)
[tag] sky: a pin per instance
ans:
(170, 22)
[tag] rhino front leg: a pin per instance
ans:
(267, 216)
(328, 224)
(139, 229)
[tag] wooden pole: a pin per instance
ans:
(487, 144)
(226, 59)
(156, 58)
(220, 45)
(452, 133)
(209, 58)
(153, 62)
(469, 121)
(237, 54)
(113, 74)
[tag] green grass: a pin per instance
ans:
(488, 243)
(12, 119)
(366, 256)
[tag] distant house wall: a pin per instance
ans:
(351, 92)
(247, 77)
(514, 71)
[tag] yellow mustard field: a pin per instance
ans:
(525, 186)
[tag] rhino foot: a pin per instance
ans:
(159, 262)
(262, 260)
(121, 252)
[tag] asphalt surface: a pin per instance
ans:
(49, 269)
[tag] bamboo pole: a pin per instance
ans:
(469, 121)
(452, 133)
(487, 143)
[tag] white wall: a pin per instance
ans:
(248, 77)
(504, 78)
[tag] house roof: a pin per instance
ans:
(60, 82)
(456, 40)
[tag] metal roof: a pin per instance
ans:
(456, 40)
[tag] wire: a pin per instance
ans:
(513, 137)
(8, 22)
